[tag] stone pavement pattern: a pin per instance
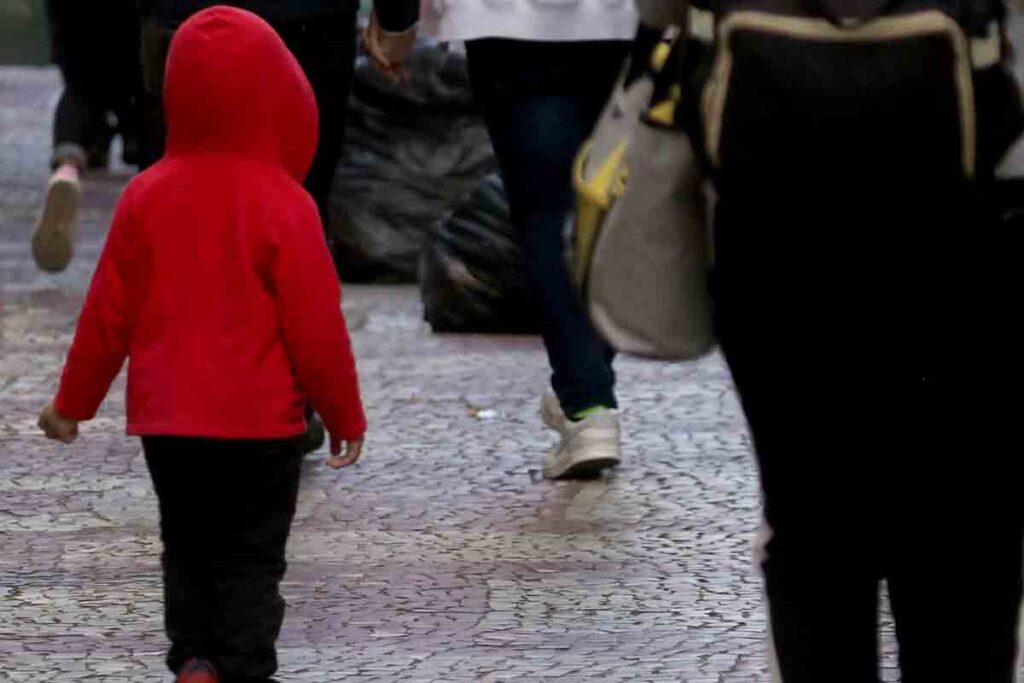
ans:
(442, 556)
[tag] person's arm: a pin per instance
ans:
(662, 13)
(397, 16)
(390, 36)
(101, 339)
(308, 302)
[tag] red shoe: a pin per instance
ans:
(198, 671)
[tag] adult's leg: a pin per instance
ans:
(74, 127)
(154, 44)
(817, 551)
(79, 118)
(125, 87)
(541, 102)
(325, 47)
(804, 328)
(955, 568)
(955, 559)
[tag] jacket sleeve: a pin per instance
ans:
(397, 15)
(101, 339)
(308, 301)
(663, 13)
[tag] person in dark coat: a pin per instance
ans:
(863, 290)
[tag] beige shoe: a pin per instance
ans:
(52, 241)
(587, 447)
(551, 412)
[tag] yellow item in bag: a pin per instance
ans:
(640, 243)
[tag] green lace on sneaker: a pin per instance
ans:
(584, 414)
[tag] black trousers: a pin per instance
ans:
(878, 365)
(324, 46)
(326, 49)
(864, 293)
(226, 509)
(96, 48)
(890, 475)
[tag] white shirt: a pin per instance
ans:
(540, 20)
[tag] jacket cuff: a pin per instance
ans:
(351, 431)
(71, 409)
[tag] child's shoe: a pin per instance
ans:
(52, 241)
(198, 671)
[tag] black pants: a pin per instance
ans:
(326, 49)
(864, 290)
(865, 318)
(226, 508)
(881, 386)
(541, 101)
(324, 46)
(882, 401)
(887, 475)
(96, 47)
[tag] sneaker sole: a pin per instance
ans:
(586, 469)
(52, 240)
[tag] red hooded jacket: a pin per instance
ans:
(215, 280)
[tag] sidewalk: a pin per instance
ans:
(442, 556)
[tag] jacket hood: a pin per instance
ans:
(233, 87)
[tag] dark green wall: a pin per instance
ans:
(23, 32)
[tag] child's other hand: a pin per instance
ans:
(353, 449)
(389, 51)
(56, 426)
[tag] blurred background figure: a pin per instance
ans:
(543, 72)
(102, 84)
(320, 33)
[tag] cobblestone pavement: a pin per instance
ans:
(442, 556)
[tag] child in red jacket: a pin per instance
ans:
(217, 285)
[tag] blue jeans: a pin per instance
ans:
(541, 101)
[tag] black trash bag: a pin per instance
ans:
(412, 153)
(472, 274)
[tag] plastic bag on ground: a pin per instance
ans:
(412, 153)
(472, 275)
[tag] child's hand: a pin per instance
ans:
(353, 449)
(56, 426)
(389, 51)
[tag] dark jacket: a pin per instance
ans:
(395, 15)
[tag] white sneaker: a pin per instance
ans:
(52, 241)
(551, 412)
(587, 447)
